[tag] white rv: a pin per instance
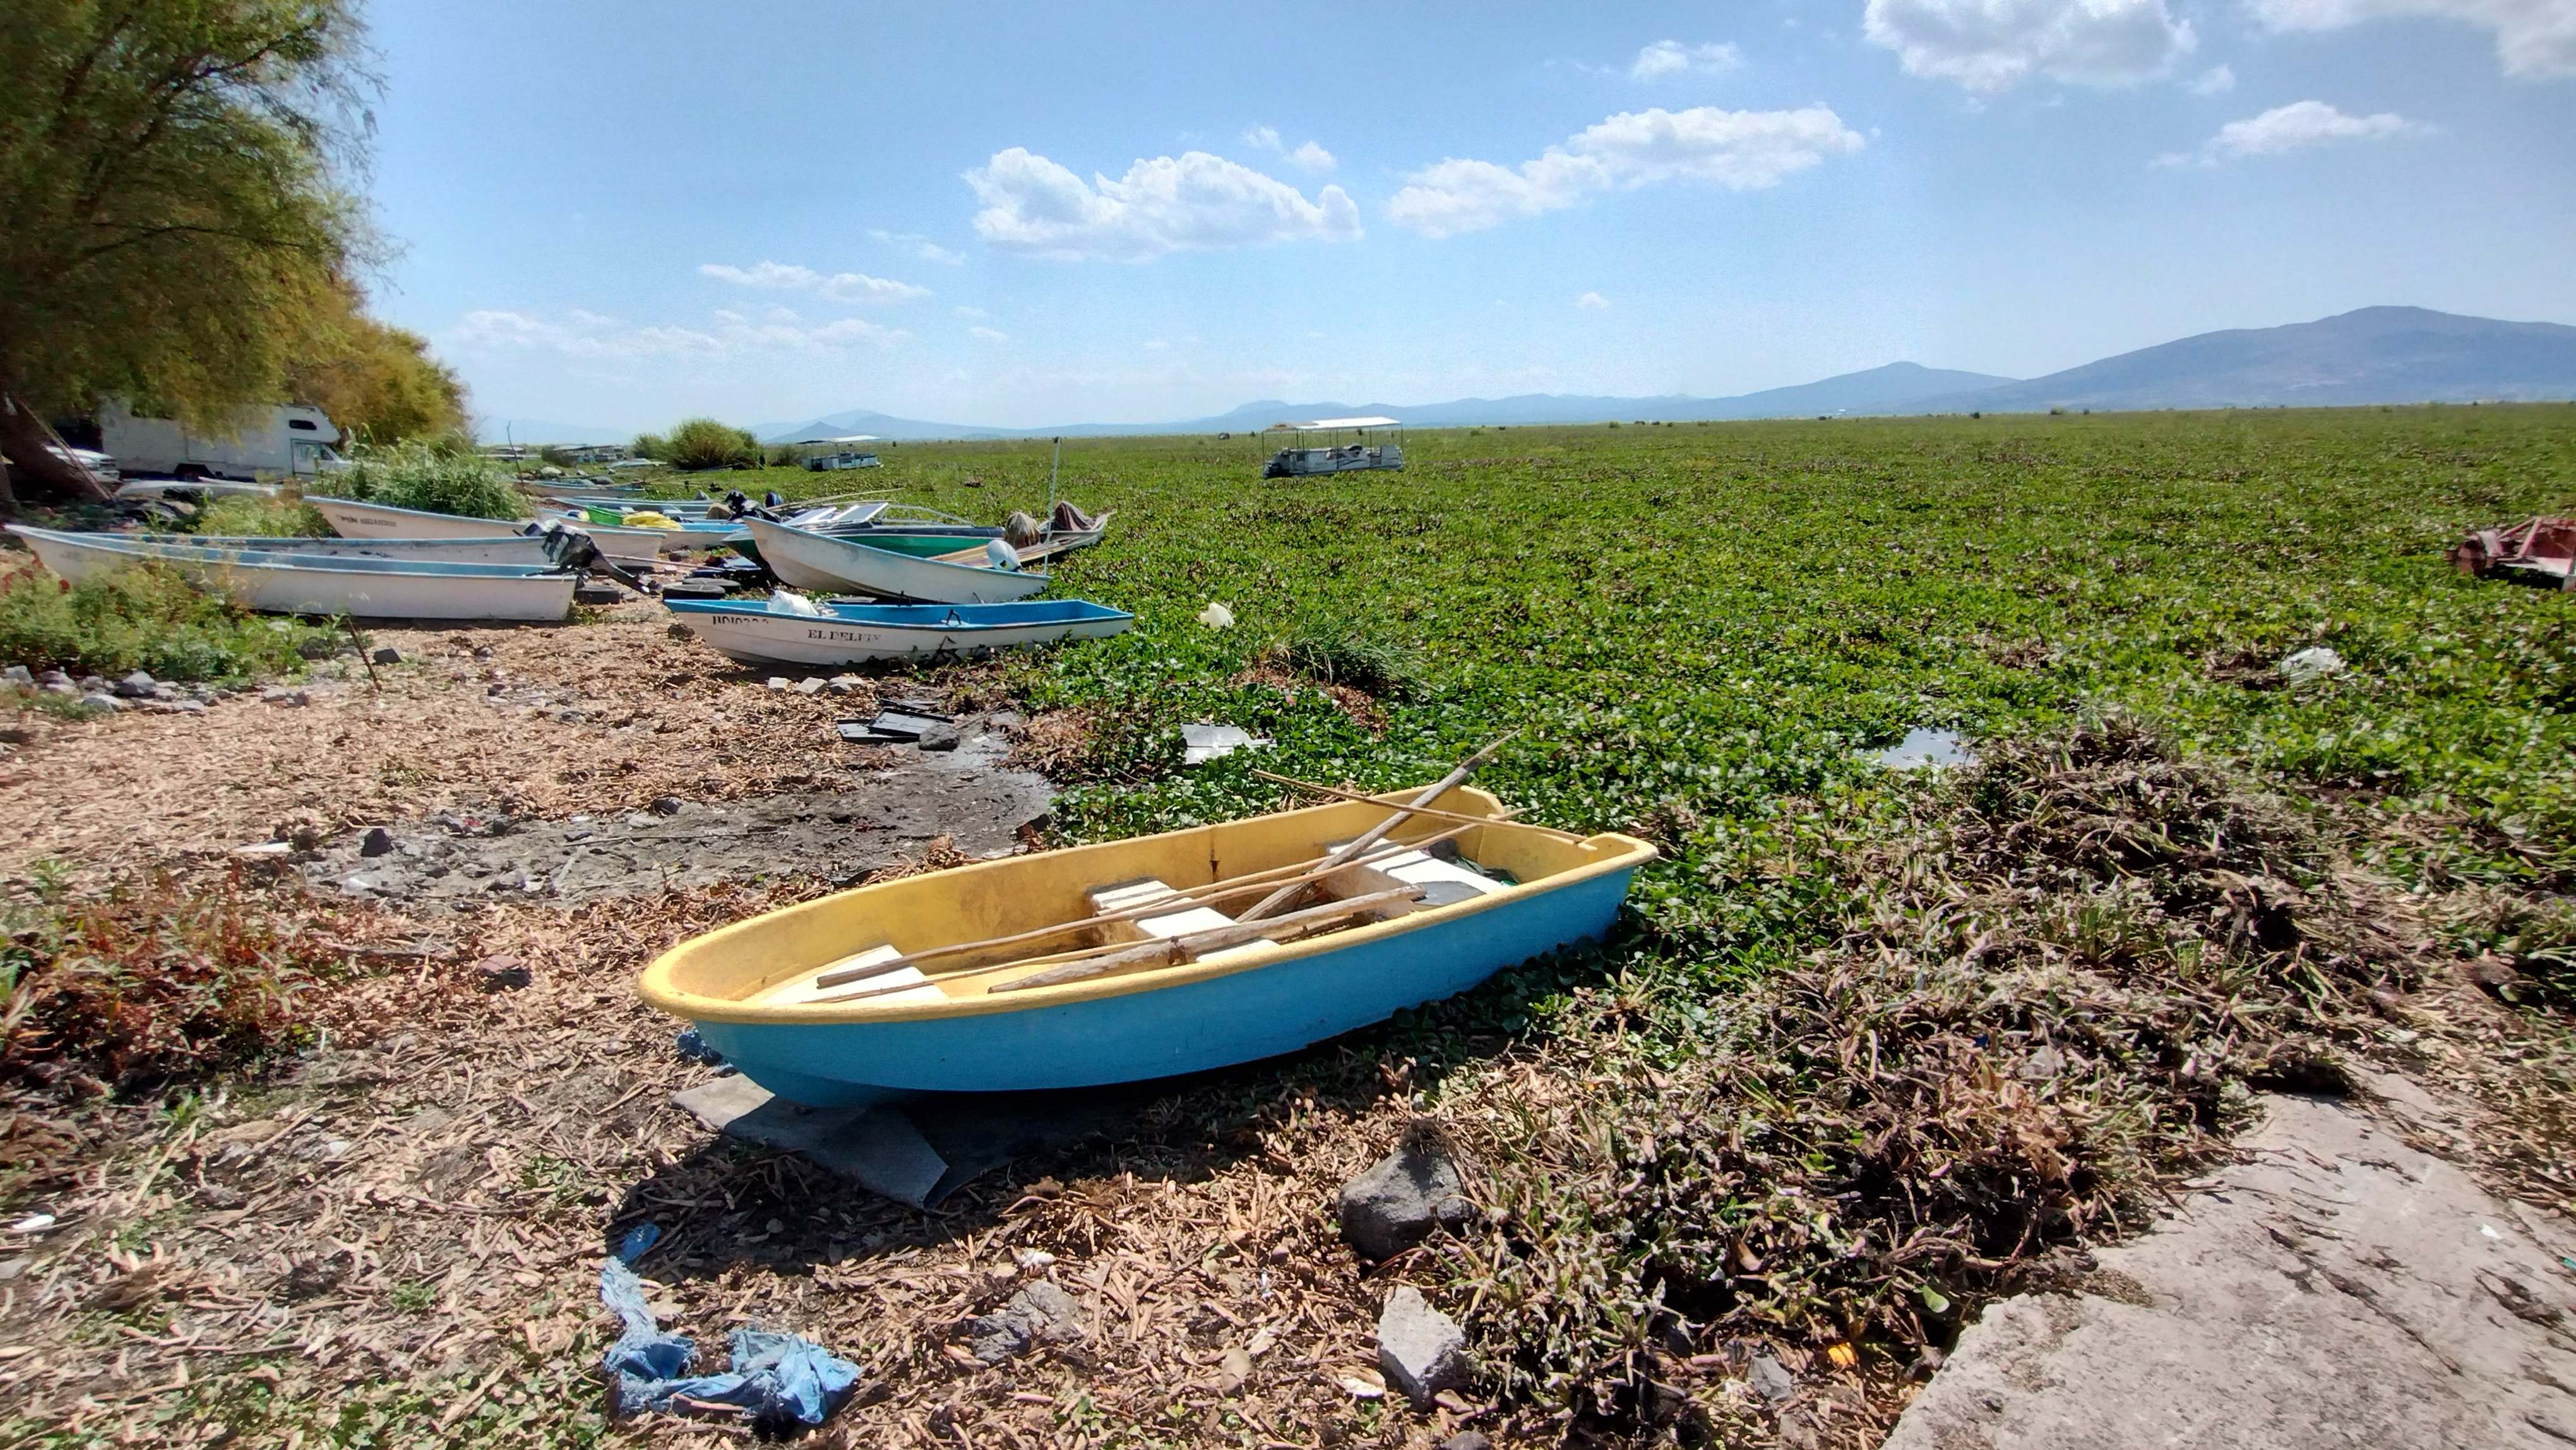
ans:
(286, 440)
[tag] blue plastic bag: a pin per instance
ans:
(775, 1378)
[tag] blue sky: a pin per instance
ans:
(616, 215)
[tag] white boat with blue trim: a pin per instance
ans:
(787, 629)
(833, 565)
(280, 582)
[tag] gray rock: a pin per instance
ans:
(1771, 1379)
(53, 677)
(666, 805)
(92, 684)
(101, 700)
(810, 685)
(1467, 1440)
(1420, 1350)
(780, 682)
(387, 656)
(379, 842)
(280, 695)
(1398, 1201)
(18, 675)
(940, 737)
(1038, 1314)
(136, 685)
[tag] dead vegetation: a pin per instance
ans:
(2056, 986)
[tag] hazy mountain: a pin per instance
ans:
(2375, 355)
(1877, 390)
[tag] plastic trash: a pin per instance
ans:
(1001, 555)
(2312, 664)
(776, 1379)
(788, 601)
(694, 1048)
(1217, 616)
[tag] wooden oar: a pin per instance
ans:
(1285, 894)
(1091, 961)
(1194, 944)
(1306, 873)
(1378, 800)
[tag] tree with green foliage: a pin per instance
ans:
(375, 380)
(178, 215)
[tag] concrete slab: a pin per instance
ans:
(877, 1148)
(2337, 1288)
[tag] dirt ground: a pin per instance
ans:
(504, 723)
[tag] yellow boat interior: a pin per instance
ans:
(1122, 916)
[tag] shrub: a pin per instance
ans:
(705, 443)
(436, 477)
(1338, 652)
(144, 617)
(248, 516)
(151, 983)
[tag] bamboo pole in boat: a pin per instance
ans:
(1281, 897)
(1307, 872)
(1370, 800)
(1216, 938)
(1160, 953)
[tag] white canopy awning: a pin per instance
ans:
(818, 442)
(1351, 423)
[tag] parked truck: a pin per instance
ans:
(283, 440)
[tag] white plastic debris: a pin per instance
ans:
(2316, 662)
(1216, 616)
(34, 1223)
(1203, 743)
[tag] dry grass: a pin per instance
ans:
(520, 721)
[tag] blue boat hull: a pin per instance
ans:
(1240, 1017)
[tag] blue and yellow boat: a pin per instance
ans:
(1130, 960)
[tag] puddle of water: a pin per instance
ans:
(1922, 746)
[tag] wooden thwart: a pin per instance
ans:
(1198, 943)
(1304, 873)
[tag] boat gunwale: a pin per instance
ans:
(1107, 614)
(755, 526)
(283, 561)
(1624, 853)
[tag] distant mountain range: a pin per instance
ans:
(2375, 355)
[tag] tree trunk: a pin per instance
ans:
(29, 441)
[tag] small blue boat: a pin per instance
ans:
(1119, 962)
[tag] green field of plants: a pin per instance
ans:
(1699, 623)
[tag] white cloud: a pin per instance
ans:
(988, 334)
(1672, 58)
(1193, 202)
(2534, 38)
(837, 287)
(1591, 299)
(767, 274)
(917, 245)
(1262, 138)
(1989, 46)
(1742, 150)
(590, 335)
(2294, 127)
(2218, 81)
(1311, 157)
(964, 311)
